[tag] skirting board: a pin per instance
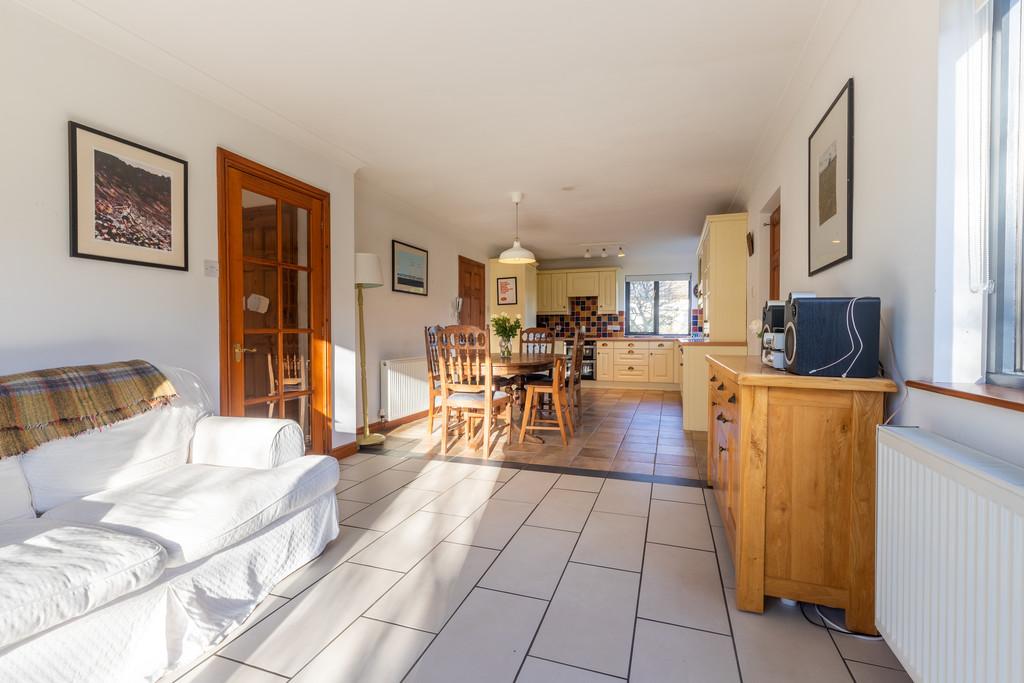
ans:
(653, 386)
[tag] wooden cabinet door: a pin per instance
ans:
(660, 365)
(583, 284)
(603, 371)
(559, 297)
(544, 293)
(607, 292)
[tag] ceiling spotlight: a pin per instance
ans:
(586, 254)
(621, 253)
(604, 253)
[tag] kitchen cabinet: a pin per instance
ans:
(551, 292)
(660, 367)
(792, 462)
(608, 291)
(722, 268)
(582, 283)
(603, 368)
(695, 376)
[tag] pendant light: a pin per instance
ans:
(516, 254)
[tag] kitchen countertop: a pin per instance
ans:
(683, 341)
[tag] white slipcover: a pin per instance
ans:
(261, 443)
(197, 510)
(51, 572)
(15, 498)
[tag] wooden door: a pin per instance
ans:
(607, 295)
(775, 240)
(274, 297)
(472, 290)
(559, 296)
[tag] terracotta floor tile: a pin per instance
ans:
(675, 471)
(677, 460)
(618, 465)
(674, 450)
(635, 456)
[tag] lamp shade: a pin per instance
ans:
(368, 270)
(517, 254)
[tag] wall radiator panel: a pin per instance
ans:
(950, 559)
(403, 387)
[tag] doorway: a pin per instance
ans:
(471, 291)
(774, 253)
(275, 352)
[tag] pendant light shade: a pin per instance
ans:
(517, 254)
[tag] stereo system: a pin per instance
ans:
(773, 334)
(832, 337)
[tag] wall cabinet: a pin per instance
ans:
(608, 291)
(582, 282)
(551, 293)
(722, 268)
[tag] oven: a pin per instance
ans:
(589, 367)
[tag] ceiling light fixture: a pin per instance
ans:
(516, 254)
(621, 253)
(587, 253)
(604, 252)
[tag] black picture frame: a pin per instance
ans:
(515, 291)
(398, 248)
(812, 223)
(80, 242)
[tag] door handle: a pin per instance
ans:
(239, 350)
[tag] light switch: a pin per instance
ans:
(211, 268)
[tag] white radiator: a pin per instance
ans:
(403, 387)
(950, 559)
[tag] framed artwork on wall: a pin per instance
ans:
(830, 186)
(408, 268)
(508, 293)
(129, 203)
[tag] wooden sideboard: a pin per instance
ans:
(792, 462)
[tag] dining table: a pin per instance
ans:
(520, 366)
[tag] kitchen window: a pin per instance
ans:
(1001, 272)
(658, 304)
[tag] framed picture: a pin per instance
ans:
(408, 268)
(508, 293)
(129, 203)
(830, 186)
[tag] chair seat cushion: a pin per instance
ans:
(52, 571)
(474, 399)
(196, 510)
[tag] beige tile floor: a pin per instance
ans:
(471, 573)
(621, 430)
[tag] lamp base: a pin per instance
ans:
(370, 439)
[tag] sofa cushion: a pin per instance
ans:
(51, 572)
(196, 510)
(15, 498)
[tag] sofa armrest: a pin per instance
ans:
(255, 442)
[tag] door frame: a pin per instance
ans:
(227, 160)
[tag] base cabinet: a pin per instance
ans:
(603, 366)
(792, 463)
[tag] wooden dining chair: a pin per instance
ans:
(467, 384)
(554, 387)
(574, 379)
(293, 378)
(433, 375)
(536, 340)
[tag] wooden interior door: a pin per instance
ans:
(775, 239)
(472, 291)
(274, 297)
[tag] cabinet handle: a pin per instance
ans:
(721, 386)
(732, 399)
(714, 378)
(714, 403)
(630, 351)
(630, 367)
(723, 419)
(722, 449)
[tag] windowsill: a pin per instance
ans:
(989, 394)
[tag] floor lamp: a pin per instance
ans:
(367, 276)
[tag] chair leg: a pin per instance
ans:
(508, 421)
(445, 415)
(430, 411)
(526, 417)
(556, 401)
(488, 417)
(570, 422)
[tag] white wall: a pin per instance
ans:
(395, 320)
(59, 310)
(891, 51)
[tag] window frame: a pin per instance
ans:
(657, 280)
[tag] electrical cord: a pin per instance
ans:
(858, 346)
(896, 373)
(829, 625)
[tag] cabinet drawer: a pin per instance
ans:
(604, 344)
(631, 345)
(631, 356)
(630, 372)
(661, 345)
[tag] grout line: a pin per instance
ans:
(725, 598)
(686, 547)
(840, 653)
(640, 583)
(518, 595)
(251, 666)
(385, 621)
(555, 592)
(880, 666)
(580, 668)
(691, 628)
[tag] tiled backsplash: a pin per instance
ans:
(583, 311)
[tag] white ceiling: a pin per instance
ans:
(650, 110)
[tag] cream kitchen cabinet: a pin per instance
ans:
(551, 292)
(608, 291)
(582, 283)
(722, 287)
(603, 370)
(661, 366)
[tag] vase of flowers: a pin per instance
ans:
(506, 328)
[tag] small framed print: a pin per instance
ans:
(408, 268)
(508, 293)
(830, 186)
(129, 203)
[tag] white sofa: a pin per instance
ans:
(127, 551)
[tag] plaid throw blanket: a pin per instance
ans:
(40, 406)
